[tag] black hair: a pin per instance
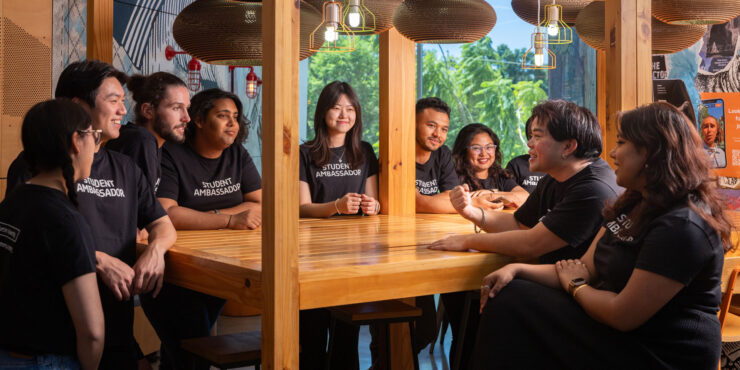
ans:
(150, 89)
(528, 127)
(433, 102)
(82, 79)
(565, 120)
(319, 145)
(47, 132)
(460, 151)
(202, 103)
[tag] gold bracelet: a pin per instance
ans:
(377, 207)
(578, 288)
(335, 206)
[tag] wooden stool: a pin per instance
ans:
(381, 313)
(227, 351)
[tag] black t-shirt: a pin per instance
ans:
(18, 174)
(681, 246)
(44, 243)
(203, 183)
(142, 146)
(571, 209)
(499, 183)
(336, 178)
(527, 179)
(437, 174)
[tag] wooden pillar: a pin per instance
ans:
(397, 124)
(280, 24)
(629, 78)
(601, 96)
(100, 30)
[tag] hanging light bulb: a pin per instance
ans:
(331, 25)
(354, 14)
(253, 83)
(539, 49)
(194, 75)
(332, 16)
(552, 21)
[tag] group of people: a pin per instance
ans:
(629, 259)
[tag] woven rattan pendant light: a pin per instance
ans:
(444, 21)
(381, 9)
(229, 32)
(667, 38)
(695, 11)
(527, 9)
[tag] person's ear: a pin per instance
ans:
(83, 103)
(76, 146)
(570, 147)
(147, 110)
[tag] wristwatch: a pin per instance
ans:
(575, 285)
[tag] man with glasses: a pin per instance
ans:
(116, 200)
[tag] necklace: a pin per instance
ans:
(341, 155)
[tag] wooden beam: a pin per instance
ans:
(100, 30)
(397, 124)
(601, 96)
(280, 25)
(629, 78)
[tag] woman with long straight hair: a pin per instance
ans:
(338, 171)
(477, 155)
(646, 293)
(51, 316)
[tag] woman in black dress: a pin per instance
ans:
(50, 316)
(477, 154)
(646, 293)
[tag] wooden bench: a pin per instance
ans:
(227, 351)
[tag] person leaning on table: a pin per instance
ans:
(646, 293)
(50, 316)
(561, 217)
(208, 182)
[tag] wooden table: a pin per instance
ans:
(342, 260)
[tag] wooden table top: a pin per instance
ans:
(341, 260)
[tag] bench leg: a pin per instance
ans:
(413, 353)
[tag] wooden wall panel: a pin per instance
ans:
(100, 30)
(25, 69)
(629, 78)
(397, 124)
(601, 97)
(280, 22)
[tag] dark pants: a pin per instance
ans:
(455, 309)
(179, 313)
(313, 335)
(119, 352)
(531, 326)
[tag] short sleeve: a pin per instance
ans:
(169, 185)
(251, 180)
(447, 177)
(528, 213)
(303, 166)
(72, 250)
(372, 161)
(677, 249)
(148, 208)
(578, 214)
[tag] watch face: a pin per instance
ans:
(578, 281)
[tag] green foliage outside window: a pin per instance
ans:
(484, 84)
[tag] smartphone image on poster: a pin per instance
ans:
(711, 122)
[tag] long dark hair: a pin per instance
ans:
(202, 102)
(677, 170)
(319, 146)
(150, 89)
(47, 133)
(463, 168)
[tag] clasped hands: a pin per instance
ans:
(351, 203)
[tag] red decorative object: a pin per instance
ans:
(193, 67)
(253, 81)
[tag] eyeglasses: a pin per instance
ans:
(477, 149)
(96, 134)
